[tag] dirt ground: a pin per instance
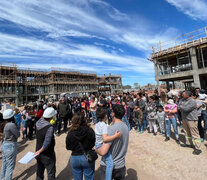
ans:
(148, 158)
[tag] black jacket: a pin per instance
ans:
(85, 135)
(63, 110)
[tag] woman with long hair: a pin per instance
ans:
(9, 144)
(80, 138)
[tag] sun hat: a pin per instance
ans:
(9, 113)
(49, 112)
(170, 101)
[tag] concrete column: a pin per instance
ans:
(195, 67)
(157, 76)
(26, 96)
(168, 84)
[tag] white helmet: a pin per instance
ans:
(49, 112)
(9, 113)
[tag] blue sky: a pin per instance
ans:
(113, 36)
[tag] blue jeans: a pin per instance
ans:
(9, 152)
(109, 163)
(204, 118)
(172, 121)
(126, 121)
(139, 125)
(145, 120)
(81, 166)
(94, 118)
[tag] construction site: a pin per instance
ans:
(23, 85)
(182, 61)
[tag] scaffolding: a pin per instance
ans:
(185, 41)
(26, 84)
(182, 60)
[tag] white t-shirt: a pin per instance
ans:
(100, 129)
(202, 96)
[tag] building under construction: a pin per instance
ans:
(23, 85)
(182, 60)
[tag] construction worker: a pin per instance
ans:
(188, 108)
(45, 146)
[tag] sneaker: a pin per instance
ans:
(197, 152)
(137, 130)
(177, 141)
(202, 139)
(141, 132)
(182, 131)
(167, 139)
(155, 134)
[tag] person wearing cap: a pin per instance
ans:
(188, 108)
(9, 144)
(170, 118)
(45, 145)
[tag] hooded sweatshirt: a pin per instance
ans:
(85, 135)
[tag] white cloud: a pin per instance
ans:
(62, 21)
(79, 19)
(75, 53)
(196, 9)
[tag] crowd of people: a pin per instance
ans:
(114, 117)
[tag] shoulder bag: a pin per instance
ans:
(90, 155)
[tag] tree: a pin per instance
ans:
(126, 87)
(136, 85)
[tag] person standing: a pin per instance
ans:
(161, 120)
(9, 145)
(170, 118)
(199, 108)
(18, 118)
(45, 146)
(109, 106)
(125, 117)
(188, 108)
(102, 137)
(118, 147)
(80, 138)
(103, 102)
(93, 107)
(137, 117)
(152, 115)
(63, 114)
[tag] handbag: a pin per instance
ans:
(90, 155)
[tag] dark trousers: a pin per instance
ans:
(31, 128)
(200, 128)
(48, 163)
(117, 174)
(60, 120)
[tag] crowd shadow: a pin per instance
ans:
(181, 137)
(28, 172)
(66, 173)
(21, 147)
(131, 174)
